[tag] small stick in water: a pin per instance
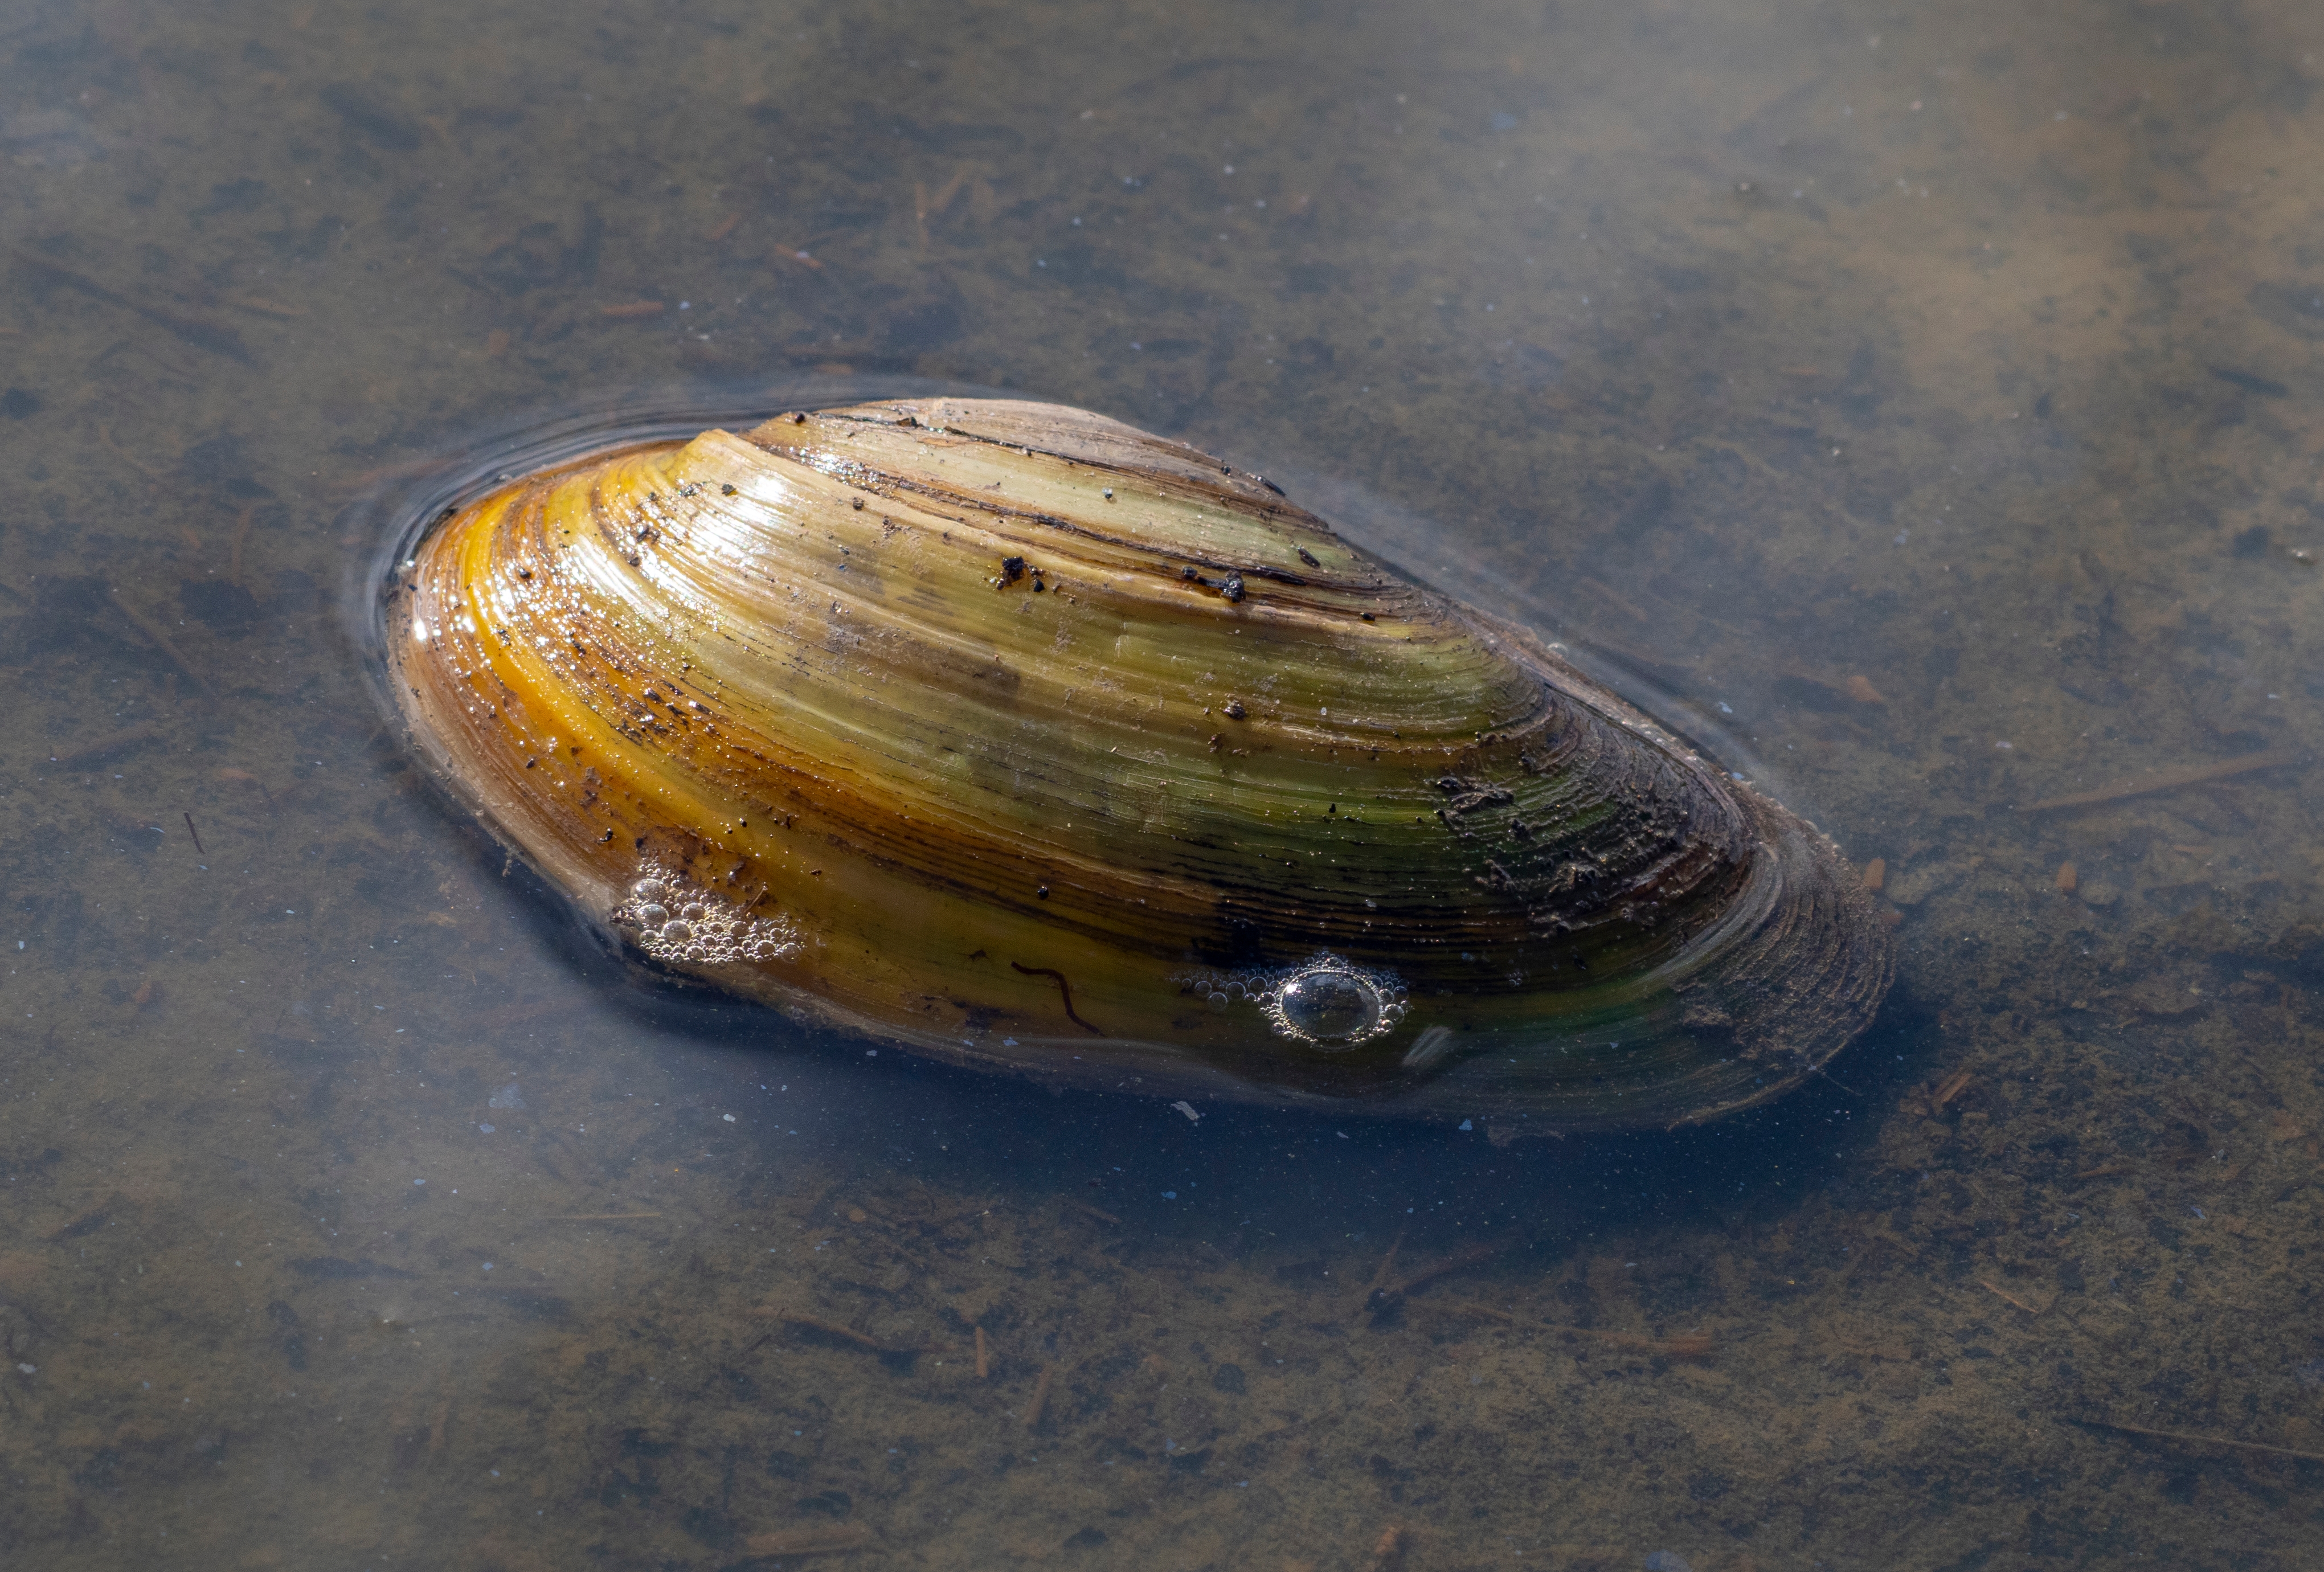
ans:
(2199, 1440)
(241, 534)
(197, 834)
(2011, 1297)
(1040, 1398)
(1469, 1307)
(161, 639)
(848, 1335)
(200, 331)
(113, 744)
(2163, 780)
(1455, 1262)
(833, 1330)
(1683, 1346)
(821, 1540)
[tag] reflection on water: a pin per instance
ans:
(1920, 396)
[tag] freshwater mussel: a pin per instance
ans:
(1020, 738)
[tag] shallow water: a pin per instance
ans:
(1915, 394)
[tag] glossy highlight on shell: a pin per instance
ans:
(1020, 738)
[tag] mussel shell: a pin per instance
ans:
(1021, 738)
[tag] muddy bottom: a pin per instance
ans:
(1922, 403)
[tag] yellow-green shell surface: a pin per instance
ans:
(1018, 736)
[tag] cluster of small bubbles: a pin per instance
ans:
(676, 920)
(1327, 1002)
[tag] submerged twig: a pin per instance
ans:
(161, 639)
(1685, 1346)
(2197, 1439)
(1459, 1260)
(93, 752)
(841, 1333)
(1387, 1550)
(200, 331)
(1469, 1307)
(2163, 780)
(241, 534)
(820, 1539)
(2000, 1293)
(1040, 1398)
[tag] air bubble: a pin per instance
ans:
(1331, 1006)
(708, 930)
(1326, 1002)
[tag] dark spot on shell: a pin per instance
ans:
(1234, 710)
(1232, 588)
(1308, 557)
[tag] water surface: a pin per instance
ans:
(1923, 395)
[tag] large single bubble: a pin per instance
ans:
(1331, 1006)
